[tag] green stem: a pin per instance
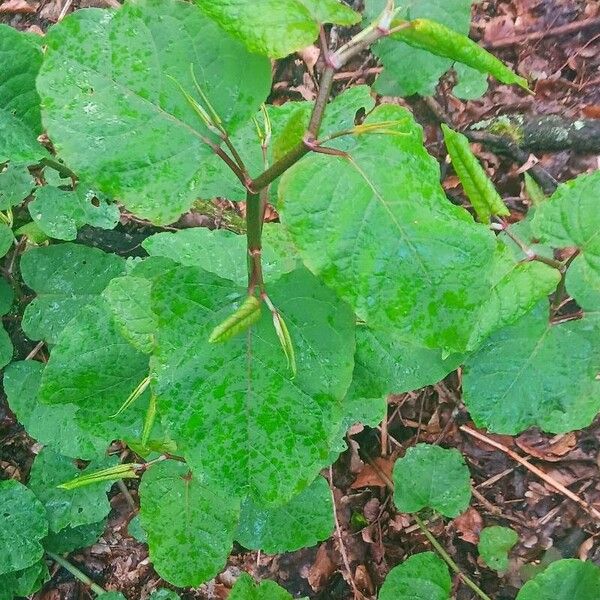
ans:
(440, 550)
(65, 564)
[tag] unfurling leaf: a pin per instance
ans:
(443, 41)
(124, 471)
(242, 319)
(284, 337)
(479, 189)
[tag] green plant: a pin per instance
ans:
(233, 364)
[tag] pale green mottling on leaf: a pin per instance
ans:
(65, 277)
(392, 252)
(252, 426)
(114, 108)
(190, 524)
(534, 374)
(301, 523)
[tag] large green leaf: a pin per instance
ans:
(494, 545)
(6, 348)
(571, 218)
(65, 277)
(277, 27)
(16, 184)
(409, 70)
(385, 363)
(235, 410)
(7, 296)
(73, 538)
(245, 588)
(22, 526)
(432, 477)
(24, 582)
(129, 300)
(423, 576)
(59, 213)
(7, 239)
(515, 288)
(535, 374)
(190, 525)
(568, 579)
(94, 368)
(68, 508)
(224, 253)
(305, 520)
(20, 57)
(398, 252)
(114, 87)
(52, 426)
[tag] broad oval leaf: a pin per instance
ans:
(113, 88)
(20, 123)
(516, 287)
(534, 374)
(163, 594)
(190, 524)
(385, 363)
(423, 576)
(16, 184)
(568, 579)
(94, 368)
(305, 520)
(6, 347)
(65, 277)
(7, 296)
(571, 218)
(129, 301)
(60, 213)
(52, 426)
(68, 508)
(494, 545)
(224, 253)
(432, 477)
(22, 526)
(277, 27)
(74, 538)
(24, 582)
(395, 251)
(235, 410)
(246, 588)
(7, 239)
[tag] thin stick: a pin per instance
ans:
(338, 530)
(569, 28)
(543, 476)
(65, 564)
(440, 550)
(127, 494)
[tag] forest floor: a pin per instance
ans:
(564, 66)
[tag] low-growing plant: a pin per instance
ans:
(232, 362)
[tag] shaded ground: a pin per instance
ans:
(565, 68)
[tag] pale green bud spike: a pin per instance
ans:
(123, 471)
(137, 392)
(242, 319)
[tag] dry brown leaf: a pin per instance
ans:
(322, 569)
(13, 7)
(370, 476)
(469, 525)
(540, 446)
